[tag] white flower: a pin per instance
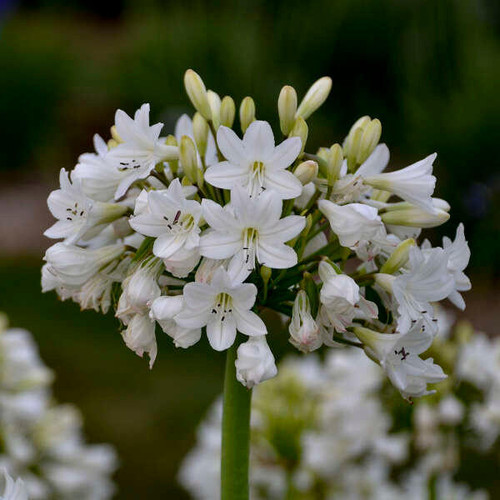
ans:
(341, 299)
(73, 266)
(426, 280)
(141, 148)
(353, 223)
(414, 183)
(304, 331)
(98, 175)
(139, 290)
(255, 362)
(171, 219)
(14, 490)
(139, 336)
(398, 354)
(182, 262)
(78, 216)
(223, 306)
(250, 229)
(255, 162)
(163, 310)
(458, 253)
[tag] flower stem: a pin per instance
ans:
(235, 433)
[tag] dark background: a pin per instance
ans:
(428, 69)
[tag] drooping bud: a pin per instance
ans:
(300, 129)
(399, 257)
(227, 112)
(255, 362)
(287, 107)
(200, 132)
(415, 217)
(314, 97)
(188, 158)
(247, 113)
(215, 104)
(304, 331)
(306, 171)
(197, 93)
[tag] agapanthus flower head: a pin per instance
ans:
(203, 229)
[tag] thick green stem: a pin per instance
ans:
(235, 433)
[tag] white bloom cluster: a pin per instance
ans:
(334, 429)
(201, 230)
(42, 443)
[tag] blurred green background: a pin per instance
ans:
(428, 69)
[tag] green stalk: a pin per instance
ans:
(235, 433)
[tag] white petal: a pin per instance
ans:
(225, 175)
(285, 229)
(221, 334)
(258, 141)
(285, 154)
(249, 323)
(277, 256)
(284, 183)
(167, 244)
(230, 145)
(219, 245)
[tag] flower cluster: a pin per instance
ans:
(42, 443)
(201, 230)
(335, 429)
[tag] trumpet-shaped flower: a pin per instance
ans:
(163, 310)
(73, 266)
(98, 174)
(255, 162)
(139, 336)
(255, 362)
(458, 253)
(305, 333)
(223, 306)
(414, 183)
(78, 216)
(171, 219)
(250, 229)
(353, 223)
(141, 147)
(398, 355)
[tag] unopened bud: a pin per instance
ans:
(265, 273)
(188, 158)
(287, 107)
(415, 217)
(174, 164)
(200, 180)
(315, 97)
(309, 285)
(300, 129)
(197, 93)
(200, 132)
(115, 135)
(380, 195)
(371, 135)
(335, 160)
(215, 104)
(306, 171)
(247, 113)
(398, 258)
(227, 112)
(441, 204)
(353, 148)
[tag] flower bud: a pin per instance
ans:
(188, 158)
(415, 217)
(255, 362)
(306, 171)
(300, 129)
(215, 104)
(399, 257)
(287, 107)
(335, 160)
(309, 285)
(174, 164)
(352, 150)
(115, 135)
(200, 133)
(247, 113)
(304, 331)
(369, 140)
(197, 93)
(315, 97)
(140, 337)
(227, 112)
